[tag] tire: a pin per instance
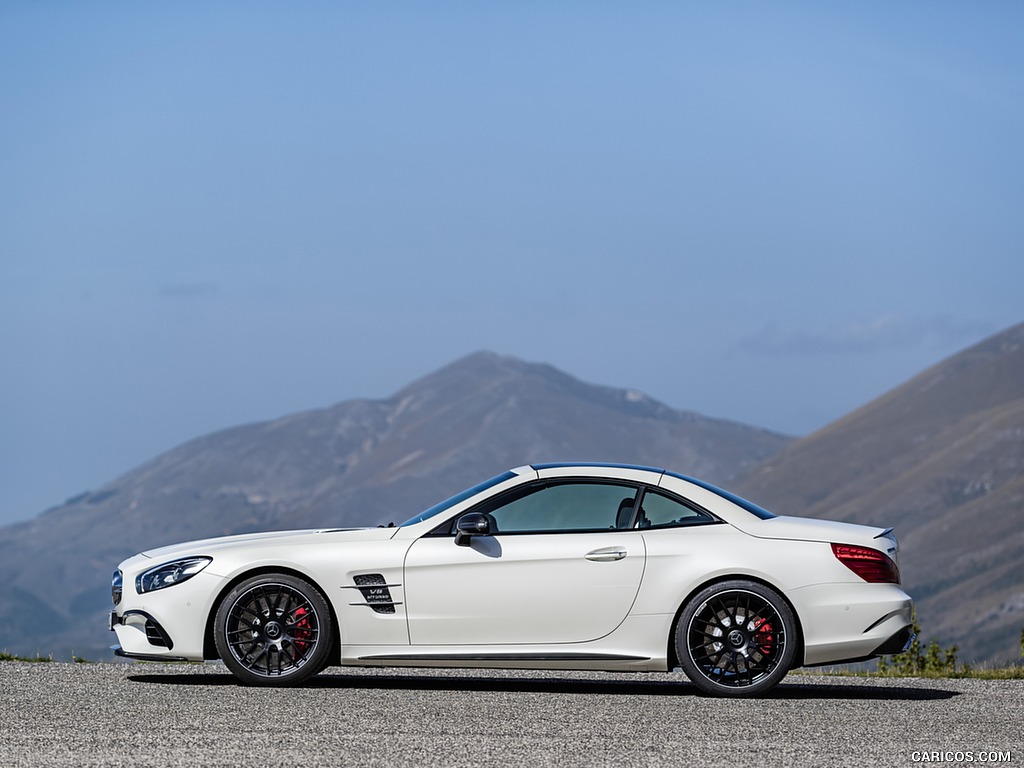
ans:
(736, 638)
(274, 630)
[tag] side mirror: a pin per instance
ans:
(470, 525)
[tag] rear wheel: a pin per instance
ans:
(736, 638)
(273, 629)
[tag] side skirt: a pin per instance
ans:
(502, 657)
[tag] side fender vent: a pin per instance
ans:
(376, 592)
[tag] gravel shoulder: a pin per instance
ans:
(57, 714)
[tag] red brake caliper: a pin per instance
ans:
(764, 637)
(302, 634)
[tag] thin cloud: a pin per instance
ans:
(885, 332)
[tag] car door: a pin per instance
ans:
(561, 566)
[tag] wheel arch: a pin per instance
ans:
(673, 657)
(209, 642)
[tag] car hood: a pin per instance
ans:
(829, 531)
(221, 543)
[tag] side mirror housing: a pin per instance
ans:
(470, 525)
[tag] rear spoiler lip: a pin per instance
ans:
(884, 533)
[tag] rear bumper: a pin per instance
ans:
(852, 622)
(898, 643)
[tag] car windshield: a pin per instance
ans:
(458, 497)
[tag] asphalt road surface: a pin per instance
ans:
(195, 715)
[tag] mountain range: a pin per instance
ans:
(358, 463)
(941, 458)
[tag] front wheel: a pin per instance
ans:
(273, 629)
(736, 638)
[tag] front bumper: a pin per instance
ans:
(136, 627)
(165, 624)
(156, 635)
(119, 651)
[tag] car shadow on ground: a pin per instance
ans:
(672, 687)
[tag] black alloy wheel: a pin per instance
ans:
(273, 629)
(736, 638)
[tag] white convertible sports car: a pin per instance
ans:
(550, 566)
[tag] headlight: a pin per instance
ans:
(169, 574)
(115, 586)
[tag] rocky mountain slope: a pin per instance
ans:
(941, 458)
(361, 462)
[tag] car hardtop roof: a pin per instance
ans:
(615, 465)
(599, 464)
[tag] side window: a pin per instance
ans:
(574, 506)
(658, 510)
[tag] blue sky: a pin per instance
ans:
(217, 213)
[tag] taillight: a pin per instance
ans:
(870, 564)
